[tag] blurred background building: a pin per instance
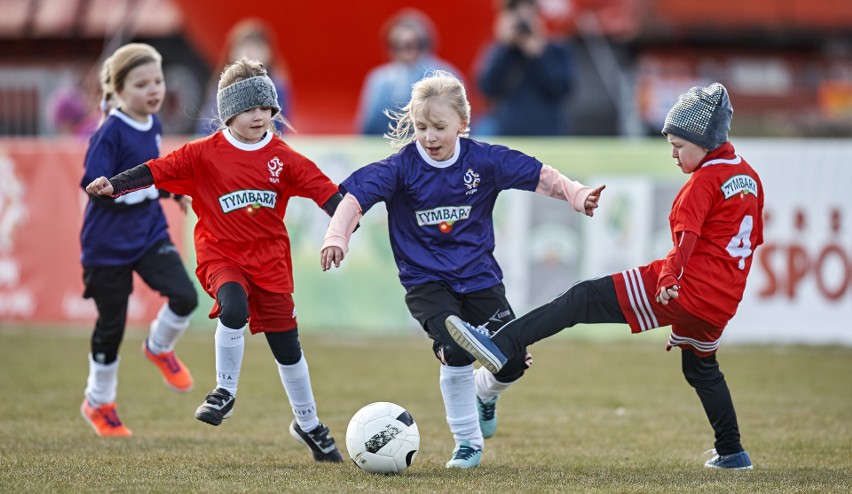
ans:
(786, 63)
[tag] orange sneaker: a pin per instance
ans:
(175, 374)
(104, 420)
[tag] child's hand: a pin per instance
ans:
(99, 187)
(331, 255)
(185, 202)
(667, 294)
(592, 201)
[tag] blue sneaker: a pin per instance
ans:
(465, 456)
(477, 341)
(487, 416)
(735, 461)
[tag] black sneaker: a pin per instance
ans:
(218, 405)
(319, 441)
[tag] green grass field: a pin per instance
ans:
(611, 416)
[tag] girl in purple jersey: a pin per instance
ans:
(130, 234)
(440, 189)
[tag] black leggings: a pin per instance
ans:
(587, 302)
(703, 374)
(110, 287)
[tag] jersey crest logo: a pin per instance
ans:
(471, 181)
(275, 166)
(739, 184)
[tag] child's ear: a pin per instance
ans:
(462, 127)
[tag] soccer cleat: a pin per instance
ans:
(319, 441)
(487, 416)
(477, 341)
(217, 406)
(465, 456)
(104, 420)
(734, 461)
(175, 374)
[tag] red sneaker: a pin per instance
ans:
(175, 374)
(104, 420)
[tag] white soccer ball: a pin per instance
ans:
(382, 437)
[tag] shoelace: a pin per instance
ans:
(486, 410)
(464, 453)
(479, 329)
(111, 418)
(170, 361)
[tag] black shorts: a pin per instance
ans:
(487, 307)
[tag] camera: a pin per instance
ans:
(522, 27)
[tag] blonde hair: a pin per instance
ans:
(115, 68)
(437, 84)
(241, 70)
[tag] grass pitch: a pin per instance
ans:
(611, 416)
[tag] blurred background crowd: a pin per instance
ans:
(545, 67)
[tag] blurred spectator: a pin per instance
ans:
(525, 75)
(410, 39)
(253, 39)
(69, 112)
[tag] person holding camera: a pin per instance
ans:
(525, 75)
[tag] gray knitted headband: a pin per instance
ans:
(245, 95)
(702, 116)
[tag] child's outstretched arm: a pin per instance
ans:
(340, 228)
(583, 199)
(138, 177)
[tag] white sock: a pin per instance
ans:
(230, 344)
(102, 382)
(458, 390)
(487, 386)
(165, 330)
(297, 383)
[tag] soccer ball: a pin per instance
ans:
(382, 437)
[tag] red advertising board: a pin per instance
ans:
(41, 210)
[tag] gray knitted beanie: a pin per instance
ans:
(245, 95)
(702, 116)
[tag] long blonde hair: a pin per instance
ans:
(115, 68)
(241, 70)
(437, 84)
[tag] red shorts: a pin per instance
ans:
(636, 289)
(269, 312)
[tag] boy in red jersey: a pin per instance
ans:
(240, 180)
(716, 223)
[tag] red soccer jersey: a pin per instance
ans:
(722, 203)
(240, 193)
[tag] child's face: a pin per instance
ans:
(250, 125)
(687, 154)
(436, 126)
(143, 92)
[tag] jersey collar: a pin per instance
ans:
(247, 147)
(440, 164)
(140, 126)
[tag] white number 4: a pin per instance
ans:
(740, 244)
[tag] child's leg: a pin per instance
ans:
(293, 369)
(458, 387)
(703, 374)
(163, 270)
(110, 289)
(230, 342)
(588, 302)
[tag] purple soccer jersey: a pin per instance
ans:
(440, 213)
